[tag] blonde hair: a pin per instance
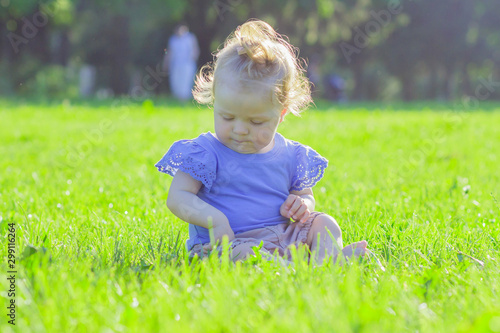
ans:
(257, 53)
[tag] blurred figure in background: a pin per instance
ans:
(335, 88)
(314, 75)
(180, 60)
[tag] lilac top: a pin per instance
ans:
(248, 188)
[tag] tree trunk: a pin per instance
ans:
(466, 83)
(5, 61)
(432, 92)
(358, 82)
(204, 32)
(61, 49)
(119, 55)
(408, 86)
(448, 82)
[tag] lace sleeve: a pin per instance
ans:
(189, 157)
(309, 169)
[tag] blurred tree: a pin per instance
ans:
(102, 37)
(431, 41)
(321, 28)
(432, 48)
(481, 55)
(28, 26)
(116, 36)
(442, 40)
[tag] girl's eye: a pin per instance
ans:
(257, 123)
(225, 118)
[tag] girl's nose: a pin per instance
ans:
(240, 128)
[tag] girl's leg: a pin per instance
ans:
(323, 246)
(237, 252)
(242, 251)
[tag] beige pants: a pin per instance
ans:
(278, 238)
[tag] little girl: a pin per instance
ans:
(247, 182)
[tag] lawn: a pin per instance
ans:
(98, 251)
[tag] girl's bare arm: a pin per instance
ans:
(185, 204)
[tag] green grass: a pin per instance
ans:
(421, 187)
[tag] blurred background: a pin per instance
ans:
(355, 50)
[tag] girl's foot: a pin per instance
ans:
(355, 250)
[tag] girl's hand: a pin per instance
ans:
(219, 231)
(295, 208)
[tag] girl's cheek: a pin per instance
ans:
(265, 135)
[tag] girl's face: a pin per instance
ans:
(245, 119)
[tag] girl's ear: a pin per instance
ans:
(282, 117)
